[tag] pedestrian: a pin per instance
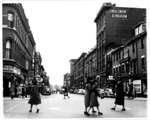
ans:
(23, 91)
(35, 98)
(119, 100)
(87, 97)
(66, 92)
(130, 92)
(12, 91)
(94, 97)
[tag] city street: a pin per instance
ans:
(55, 106)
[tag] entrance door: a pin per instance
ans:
(6, 91)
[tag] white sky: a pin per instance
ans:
(64, 29)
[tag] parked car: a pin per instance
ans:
(101, 92)
(76, 91)
(46, 90)
(108, 92)
(81, 91)
(71, 90)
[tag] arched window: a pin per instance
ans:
(8, 49)
(10, 19)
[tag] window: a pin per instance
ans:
(10, 19)
(127, 67)
(143, 63)
(8, 49)
(136, 31)
(142, 43)
(133, 49)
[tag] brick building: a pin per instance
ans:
(18, 47)
(72, 71)
(90, 68)
(79, 72)
(67, 80)
(129, 61)
(114, 27)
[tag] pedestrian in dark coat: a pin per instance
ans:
(119, 95)
(94, 97)
(87, 97)
(35, 98)
(66, 92)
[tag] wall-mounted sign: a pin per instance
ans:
(120, 13)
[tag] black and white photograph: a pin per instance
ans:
(82, 59)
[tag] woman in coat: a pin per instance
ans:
(87, 97)
(35, 98)
(94, 97)
(119, 95)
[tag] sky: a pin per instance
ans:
(64, 29)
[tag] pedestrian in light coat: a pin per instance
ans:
(35, 98)
(94, 97)
(119, 100)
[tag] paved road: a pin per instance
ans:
(55, 106)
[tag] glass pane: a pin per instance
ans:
(8, 44)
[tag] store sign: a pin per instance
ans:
(137, 86)
(120, 13)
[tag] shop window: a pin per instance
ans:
(10, 20)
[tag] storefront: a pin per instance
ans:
(11, 76)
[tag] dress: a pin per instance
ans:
(35, 98)
(87, 95)
(94, 97)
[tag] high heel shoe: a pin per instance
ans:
(37, 111)
(86, 113)
(30, 110)
(100, 113)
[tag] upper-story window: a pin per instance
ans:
(142, 43)
(133, 48)
(8, 49)
(10, 19)
(140, 29)
(143, 63)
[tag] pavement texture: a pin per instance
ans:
(55, 106)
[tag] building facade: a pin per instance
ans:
(79, 72)
(18, 47)
(67, 80)
(72, 71)
(129, 61)
(90, 68)
(114, 27)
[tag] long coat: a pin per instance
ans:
(119, 94)
(35, 98)
(94, 97)
(87, 95)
